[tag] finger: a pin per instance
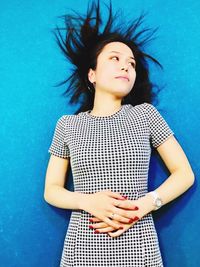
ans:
(126, 204)
(95, 219)
(116, 233)
(132, 205)
(99, 225)
(105, 229)
(124, 216)
(107, 220)
(112, 223)
(123, 210)
(114, 194)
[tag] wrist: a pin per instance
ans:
(83, 201)
(149, 202)
(156, 200)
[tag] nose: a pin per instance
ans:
(125, 68)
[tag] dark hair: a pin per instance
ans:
(83, 43)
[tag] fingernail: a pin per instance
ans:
(121, 227)
(96, 232)
(90, 220)
(91, 227)
(135, 208)
(125, 197)
(135, 218)
(121, 198)
(131, 220)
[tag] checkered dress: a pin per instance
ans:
(110, 153)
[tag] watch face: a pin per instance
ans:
(158, 202)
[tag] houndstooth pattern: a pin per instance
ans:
(110, 152)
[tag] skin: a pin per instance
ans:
(116, 59)
(109, 90)
(109, 93)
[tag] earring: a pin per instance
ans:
(89, 89)
(88, 86)
(93, 88)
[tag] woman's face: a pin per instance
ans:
(115, 61)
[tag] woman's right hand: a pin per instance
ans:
(102, 204)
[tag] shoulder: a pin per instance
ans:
(146, 111)
(144, 108)
(147, 108)
(68, 122)
(63, 119)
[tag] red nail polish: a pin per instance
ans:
(125, 197)
(135, 208)
(121, 198)
(91, 227)
(90, 220)
(135, 218)
(96, 232)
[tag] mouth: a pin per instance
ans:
(123, 78)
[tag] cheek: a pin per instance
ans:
(106, 71)
(133, 75)
(109, 67)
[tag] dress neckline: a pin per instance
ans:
(114, 115)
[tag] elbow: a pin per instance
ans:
(45, 196)
(48, 194)
(192, 178)
(187, 176)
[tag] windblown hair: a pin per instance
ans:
(83, 43)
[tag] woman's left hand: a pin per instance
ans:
(145, 206)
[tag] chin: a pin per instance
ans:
(122, 91)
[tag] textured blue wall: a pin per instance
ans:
(31, 231)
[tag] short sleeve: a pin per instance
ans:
(58, 145)
(158, 127)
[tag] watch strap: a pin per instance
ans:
(155, 198)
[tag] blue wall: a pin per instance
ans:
(31, 231)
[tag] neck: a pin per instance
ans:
(105, 106)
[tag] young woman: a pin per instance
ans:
(108, 144)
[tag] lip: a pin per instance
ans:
(122, 77)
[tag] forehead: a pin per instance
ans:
(118, 47)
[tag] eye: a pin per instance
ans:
(114, 57)
(133, 64)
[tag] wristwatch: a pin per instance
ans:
(157, 201)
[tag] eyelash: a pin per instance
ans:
(132, 63)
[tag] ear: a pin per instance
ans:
(91, 75)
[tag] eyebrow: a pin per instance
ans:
(120, 53)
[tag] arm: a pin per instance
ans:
(54, 192)
(56, 195)
(181, 178)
